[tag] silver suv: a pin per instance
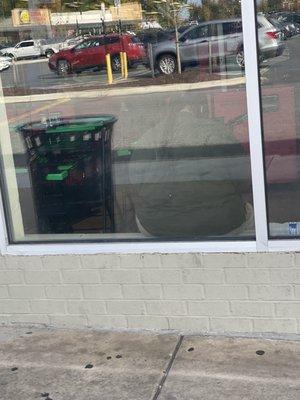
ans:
(220, 38)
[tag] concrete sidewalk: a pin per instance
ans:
(97, 365)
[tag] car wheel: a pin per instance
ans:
(11, 56)
(167, 64)
(63, 67)
(240, 58)
(49, 53)
(116, 64)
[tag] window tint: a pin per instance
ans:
(96, 42)
(90, 43)
(239, 26)
(198, 32)
(228, 28)
(83, 45)
(26, 44)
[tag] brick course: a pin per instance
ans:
(208, 293)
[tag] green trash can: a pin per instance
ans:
(69, 160)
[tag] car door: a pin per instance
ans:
(194, 44)
(96, 52)
(19, 49)
(113, 44)
(226, 38)
(27, 49)
(81, 57)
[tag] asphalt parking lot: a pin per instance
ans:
(35, 74)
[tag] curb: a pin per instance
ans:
(129, 91)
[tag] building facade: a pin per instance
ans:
(150, 178)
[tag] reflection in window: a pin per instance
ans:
(279, 44)
(137, 136)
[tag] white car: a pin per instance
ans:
(50, 46)
(24, 49)
(5, 63)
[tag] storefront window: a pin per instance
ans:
(279, 41)
(127, 121)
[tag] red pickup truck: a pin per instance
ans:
(90, 53)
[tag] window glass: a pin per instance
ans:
(26, 44)
(238, 26)
(197, 33)
(228, 28)
(85, 45)
(145, 140)
(279, 51)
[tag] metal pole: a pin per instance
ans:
(210, 58)
(177, 48)
(150, 55)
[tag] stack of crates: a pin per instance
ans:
(69, 160)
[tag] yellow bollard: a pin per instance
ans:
(122, 64)
(125, 65)
(108, 69)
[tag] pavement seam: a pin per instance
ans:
(168, 369)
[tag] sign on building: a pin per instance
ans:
(38, 16)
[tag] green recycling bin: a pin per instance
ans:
(69, 160)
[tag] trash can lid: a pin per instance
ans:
(69, 125)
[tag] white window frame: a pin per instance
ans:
(261, 244)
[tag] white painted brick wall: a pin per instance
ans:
(209, 293)
(42, 277)
(86, 307)
(126, 307)
(120, 276)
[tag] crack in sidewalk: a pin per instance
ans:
(168, 369)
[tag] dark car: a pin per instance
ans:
(91, 52)
(291, 21)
